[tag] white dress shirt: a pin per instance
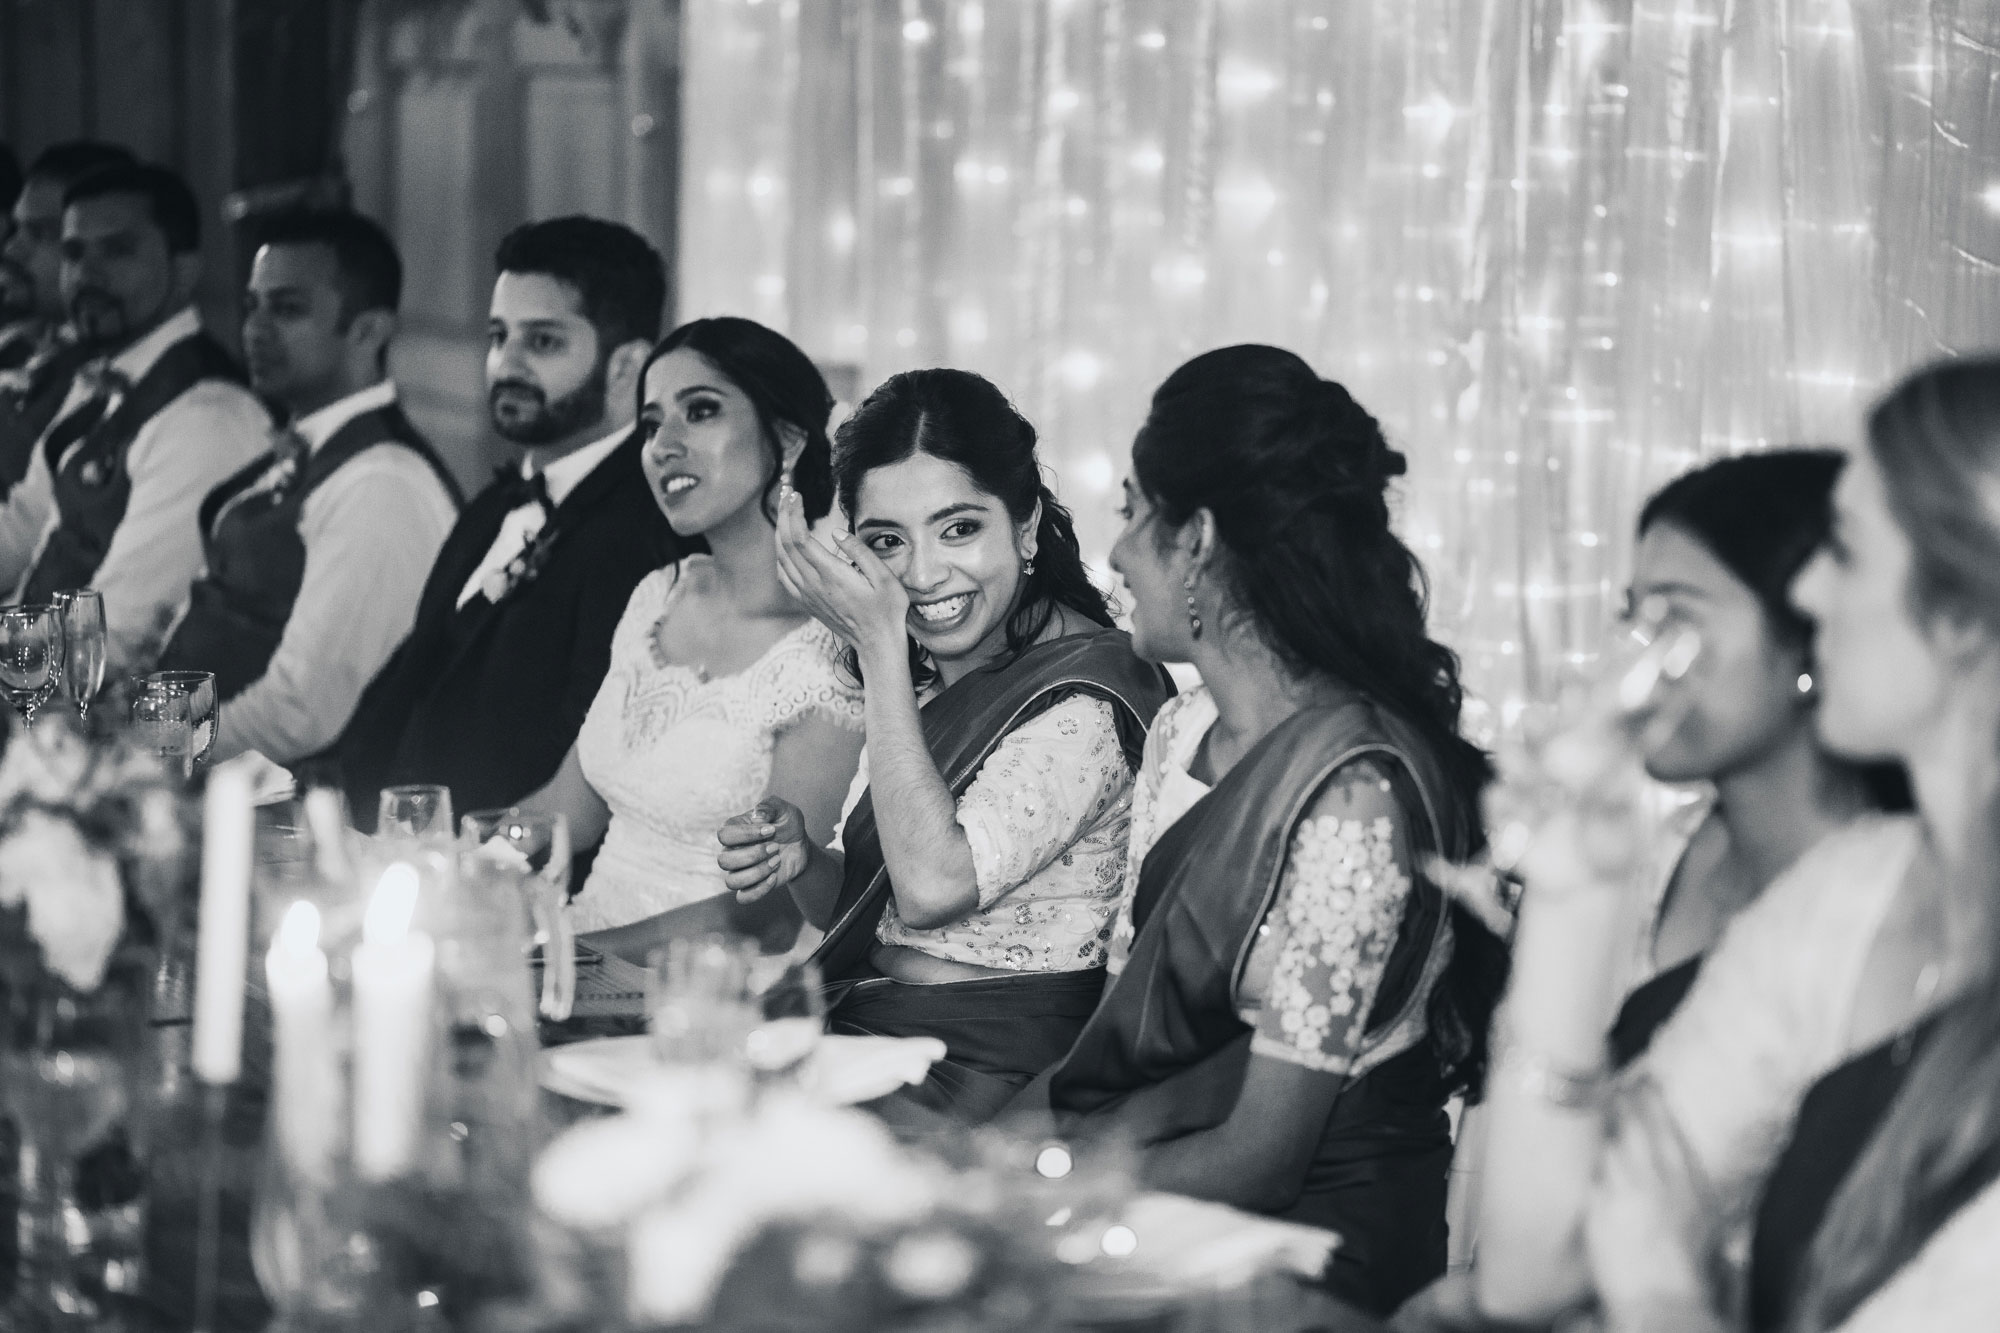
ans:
(524, 523)
(183, 452)
(371, 532)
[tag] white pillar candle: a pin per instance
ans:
(392, 1024)
(305, 1094)
(222, 939)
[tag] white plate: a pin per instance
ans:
(842, 1070)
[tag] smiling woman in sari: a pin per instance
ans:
(971, 890)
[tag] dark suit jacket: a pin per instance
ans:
(488, 699)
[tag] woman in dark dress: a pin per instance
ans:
(1295, 1001)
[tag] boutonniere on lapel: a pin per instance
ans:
(523, 569)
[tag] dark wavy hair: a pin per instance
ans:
(965, 420)
(619, 278)
(1762, 516)
(1296, 476)
(1936, 440)
(782, 383)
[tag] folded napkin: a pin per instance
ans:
(1190, 1243)
(269, 782)
(843, 1071)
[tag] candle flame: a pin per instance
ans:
(393, 905)
(298, 933)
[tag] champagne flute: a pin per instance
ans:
(203, 712)
(83, 647)
(415, 810)
(536, 847)
(31, 652)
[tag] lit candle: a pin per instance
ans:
(302, 1019)
(222, 940)
(392, 1022)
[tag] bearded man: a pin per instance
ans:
(513, 631)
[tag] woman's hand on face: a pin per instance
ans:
(763, 848)
(849, 590)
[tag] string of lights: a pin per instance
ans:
(1563, 248)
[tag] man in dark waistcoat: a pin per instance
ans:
(317, 551)
(513, 633)
(157, 419)
(38, 357)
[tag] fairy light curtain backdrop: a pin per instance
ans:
(1562, 248)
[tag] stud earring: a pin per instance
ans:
(1194, 616)
(1807, 685)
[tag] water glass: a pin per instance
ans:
(700, 1005)
(534, 847)
(204, 713)
(162, 721)
(82, 612)
(31, 653)
(415, 810)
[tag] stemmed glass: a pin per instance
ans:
(535, 847)
(31, 653)
(415, 810)
(204, 715)
(82, 613)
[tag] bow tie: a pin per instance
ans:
(520, 490)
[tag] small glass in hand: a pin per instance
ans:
(31, 652)
(419, 810)
(83, 647)
(536, 847)
(204, 715)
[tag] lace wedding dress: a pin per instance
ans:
(675, 753)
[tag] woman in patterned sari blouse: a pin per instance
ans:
(1293, 1002)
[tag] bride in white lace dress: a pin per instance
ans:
(721, 689)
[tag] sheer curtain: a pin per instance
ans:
(1562, 248)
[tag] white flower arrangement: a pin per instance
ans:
(73, 815)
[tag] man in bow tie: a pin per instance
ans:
(38, 357)
(156, 420)
(317, 551)
(513, 633)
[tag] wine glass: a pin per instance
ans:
(535, 847)
(203, 712)
(792, 999)
(31, 652)
(83, 647)
(415, 810)
(161, 718)
(700, 1008)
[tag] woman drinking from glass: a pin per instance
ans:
(971, 891)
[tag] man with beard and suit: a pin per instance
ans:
(157, 419)
(316, 552)
(513, 632)
(37, 355)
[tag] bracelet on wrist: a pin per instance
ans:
(1571, 1087)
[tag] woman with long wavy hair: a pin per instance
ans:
(1295, 1001)
(970, 891)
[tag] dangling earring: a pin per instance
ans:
(1028, 567)
(1194, 616)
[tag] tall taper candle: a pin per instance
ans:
(392, 1026)
(306, 1089)
(222, 938)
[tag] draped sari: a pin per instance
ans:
(1167, 1051)
(1001, 1031)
